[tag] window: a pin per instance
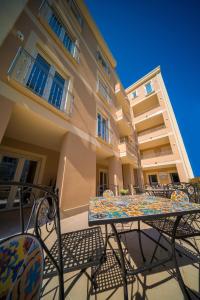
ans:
(103, 89)
(38, 76)
(153, 180)
(45, 84)
(103, 62)
(174, 178)
(55, 24)
(63, 34)
(57, 89)
(134, 94)
(149, 88)
(102, 127)
(76, 12)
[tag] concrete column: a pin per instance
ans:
(128, 177)
(181, 172)
(6, 108)
(76, 178)
(115, 174)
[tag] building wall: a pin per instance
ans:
(159, 137)
(49, 158)
(67, 143)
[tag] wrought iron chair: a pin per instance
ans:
(21, 267)
(108, 193)
(64, 253)
(188, 228)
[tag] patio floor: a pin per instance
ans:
(160, 283)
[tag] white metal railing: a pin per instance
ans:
(46, 13)
(40, 83)
(106, 136)
(103, 90)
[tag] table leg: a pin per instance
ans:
(178, 273)
(122, 262)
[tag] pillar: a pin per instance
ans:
(6, 108)
(128, 177)
(76, 178)
(115, 174)
(181, 172)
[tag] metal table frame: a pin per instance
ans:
(151, 265)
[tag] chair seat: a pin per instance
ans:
(166, 225)
(81, 249)
(21, 268)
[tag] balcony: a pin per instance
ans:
(167, 160)
(103, 91)
(52, 22)
(149, 114)
(128, 152)
(33, 79)
(153, 136)
(147, 121)
(120, 94)
(123, 121)
(142, 99)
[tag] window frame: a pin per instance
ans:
(106, 69)
(71, 3)
(65, 31)
(136, 94)
(106, 136)
(152, 88)
(105, 87)
(49, 82)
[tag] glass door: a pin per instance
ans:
(153, 180)
(15, 167)
(103, 181)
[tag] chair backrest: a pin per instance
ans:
(21, 267)
(41, 218)
(178, 195)
(108, 193)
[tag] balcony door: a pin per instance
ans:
(153, 179)
(103, 182)
(16, 167)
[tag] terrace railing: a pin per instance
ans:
(30, 73)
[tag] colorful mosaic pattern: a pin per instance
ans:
(179, 196)
(21, 268)
(128, 208)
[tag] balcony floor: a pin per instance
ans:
(153, 285)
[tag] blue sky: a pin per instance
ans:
(143, 34)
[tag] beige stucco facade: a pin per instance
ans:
(162, 152)
(88, 137)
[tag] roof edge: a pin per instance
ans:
(96, 32)
(143, 79)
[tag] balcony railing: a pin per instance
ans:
(107, 136)
(130, 145)
(102, 89)
(62, 33)
(30, 73)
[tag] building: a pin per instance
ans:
(65, 117)
(162, 152)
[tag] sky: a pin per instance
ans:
(143, 34)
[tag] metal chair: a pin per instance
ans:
(64, 253)
(21, 267)
(188, 228)
(108, 193)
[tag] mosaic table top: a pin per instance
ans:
(137, 207)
